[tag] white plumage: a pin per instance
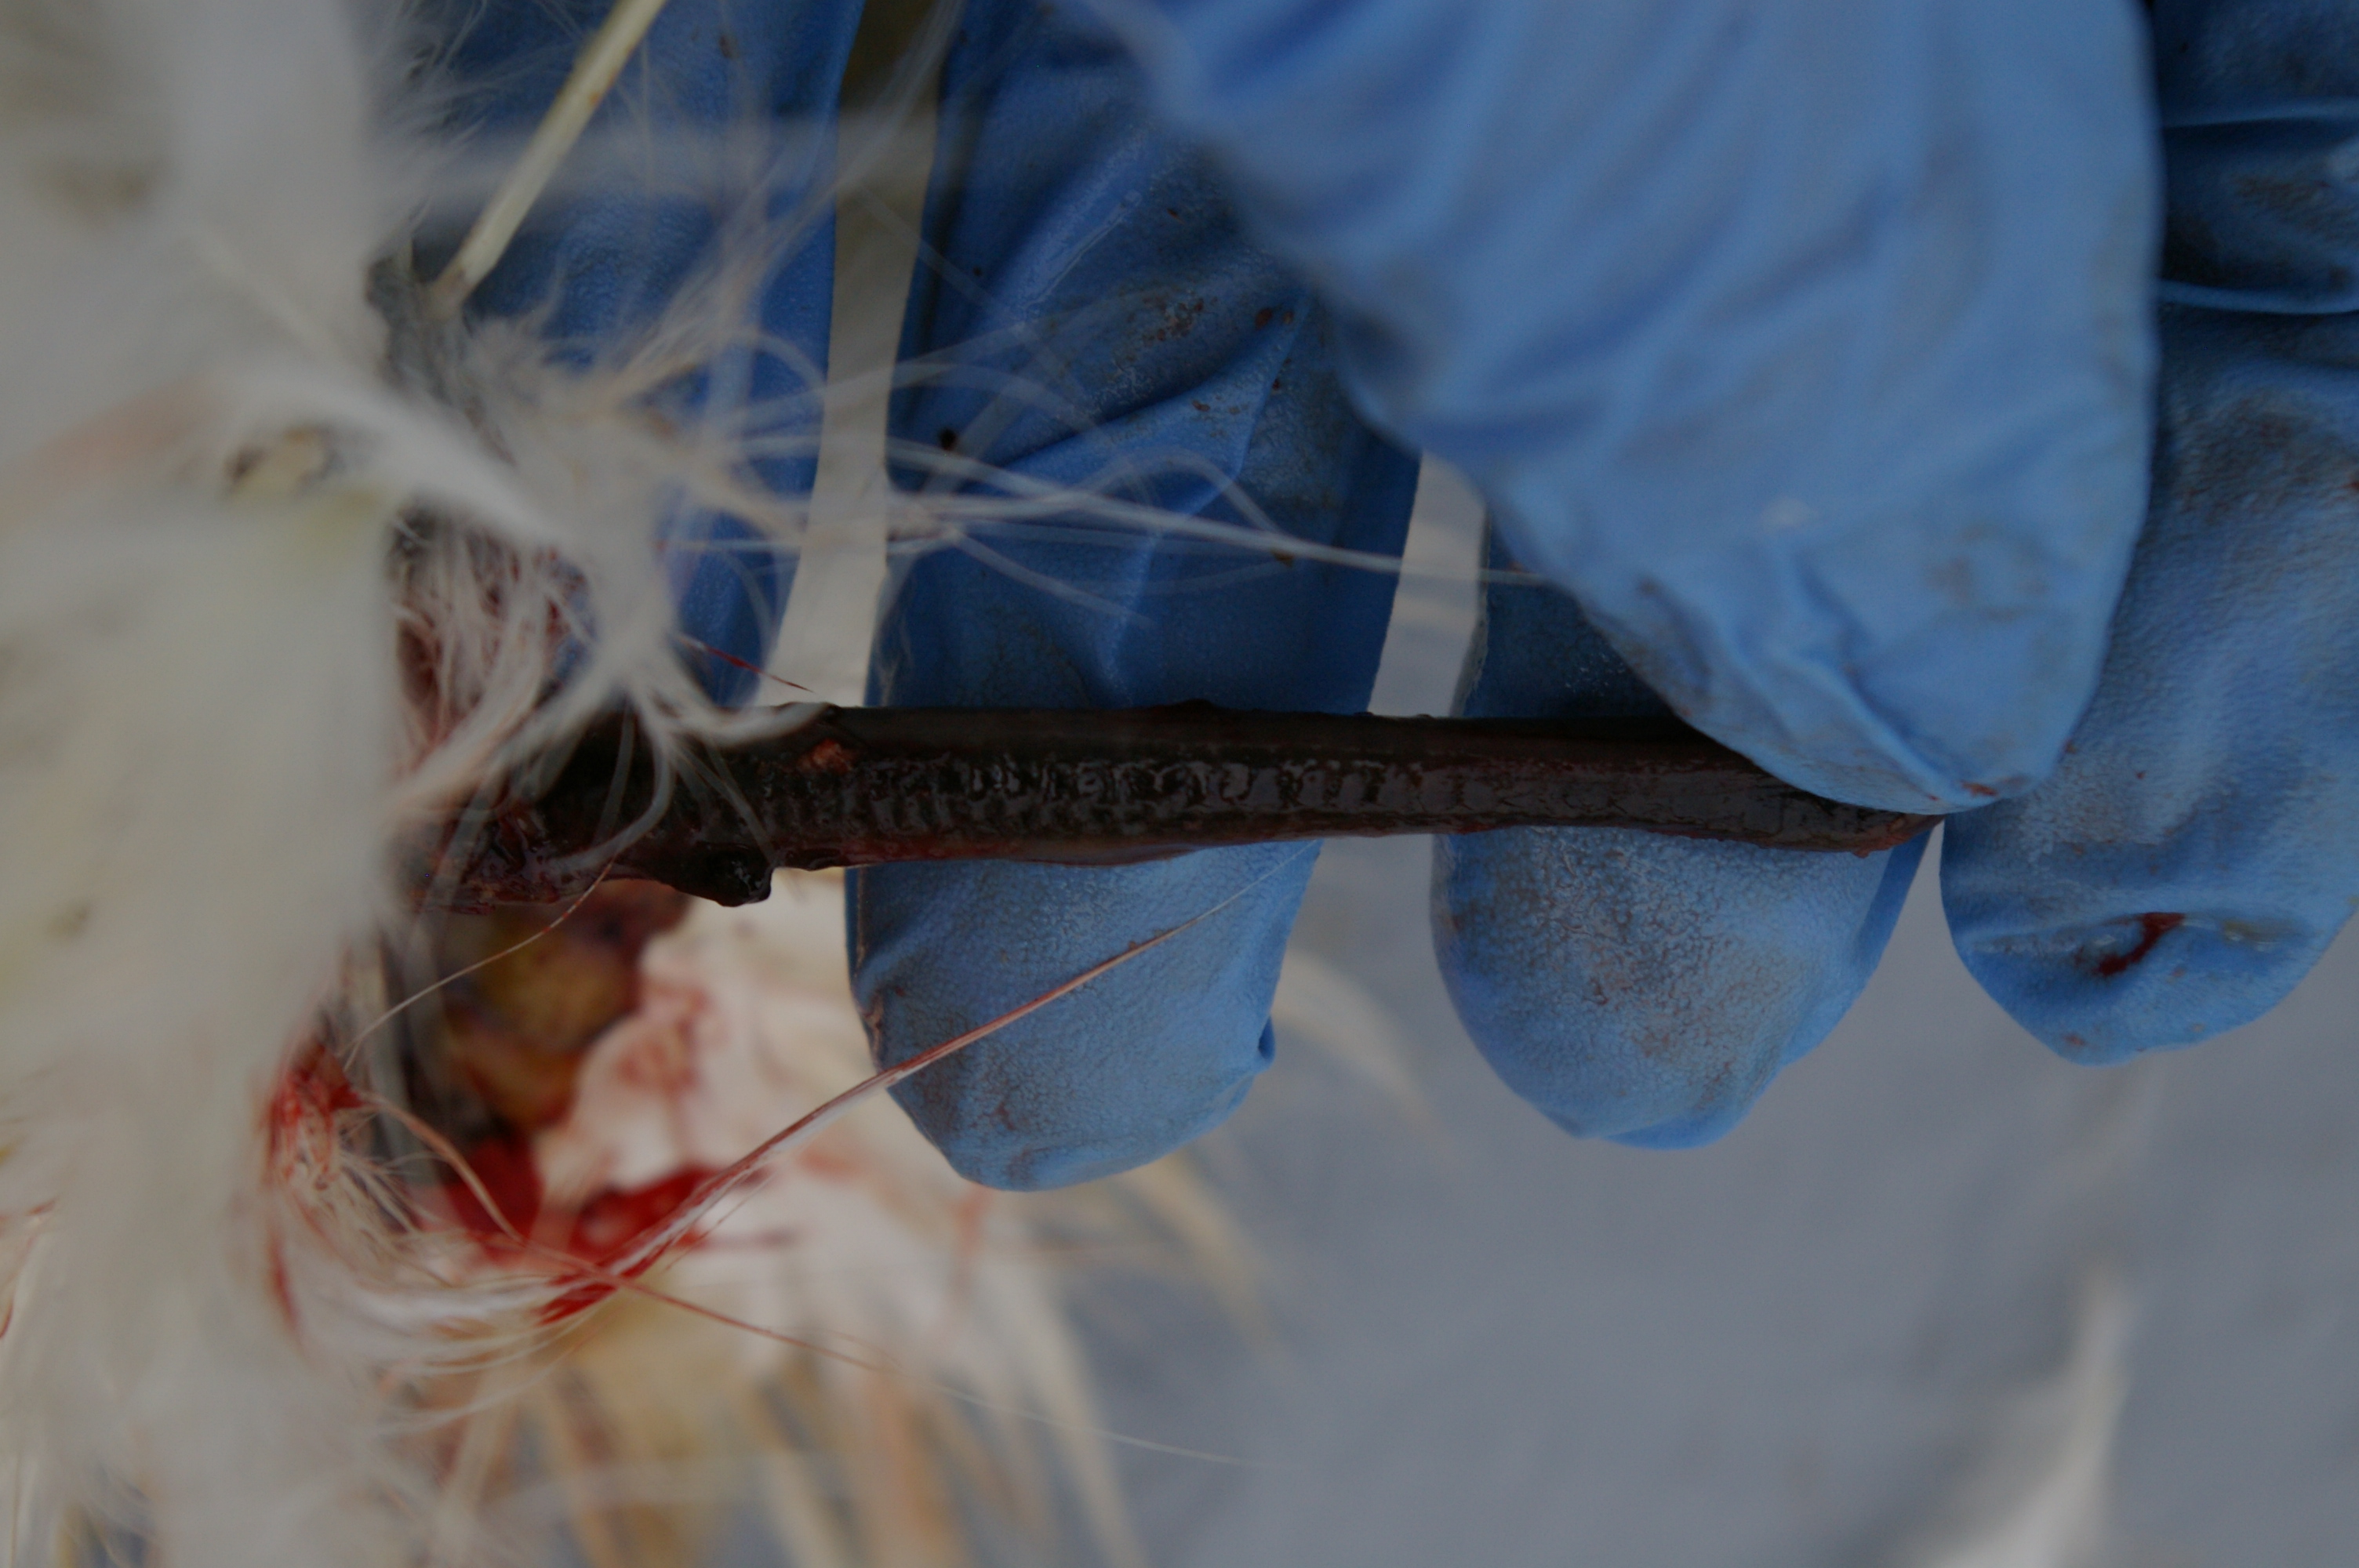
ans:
(266, 616)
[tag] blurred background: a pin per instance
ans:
(1941, 1300)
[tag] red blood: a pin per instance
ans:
(612, 1223)
(311, 1092)
(504, 1165)
(2152, 927)
(602, 1231)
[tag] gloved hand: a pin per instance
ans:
(1808, 345)
(1092, 313)
(1808, 349)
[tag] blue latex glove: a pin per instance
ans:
(597, 266)
(1808, 349)
(1096, 312)
(2200, 846)
(1631, 985)
(1808, 345)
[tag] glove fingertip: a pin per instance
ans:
(1144, 1057)
(2111, 989)
(1646, 990)
(992, 1152)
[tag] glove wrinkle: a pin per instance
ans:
(2261, 156)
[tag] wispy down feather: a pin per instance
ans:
(280, 594)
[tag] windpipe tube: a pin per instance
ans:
(861, 786)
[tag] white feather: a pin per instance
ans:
(264, 618)
(200, 473)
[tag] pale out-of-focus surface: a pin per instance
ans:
(1839, 1337)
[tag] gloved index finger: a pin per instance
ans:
(1097, 322)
